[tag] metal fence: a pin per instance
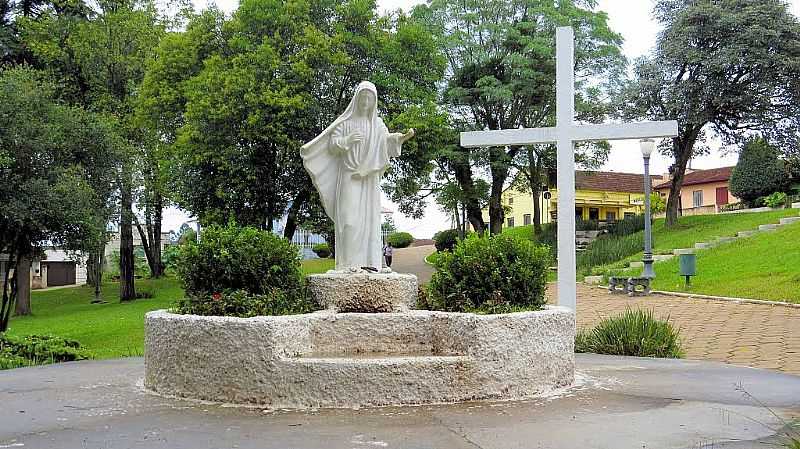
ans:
(305, 241)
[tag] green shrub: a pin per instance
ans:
(632, 333)
(242, 266)
(490, 274)
(30, 350)
(586, 225)
(627, 226)
(608, 249)
(400, 239)
(446, 240)
(777, 199)
(758, 172)
(322, 250)
(240, 303)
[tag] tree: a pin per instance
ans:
(110, 52)
(727, 66)
(277, 73)
(501, 59)
(759, 172)
(55, 162)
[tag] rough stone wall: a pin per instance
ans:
(364, 292)
(326, 359)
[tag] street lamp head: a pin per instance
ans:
(647, 146)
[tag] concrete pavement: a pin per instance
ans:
(616, 403)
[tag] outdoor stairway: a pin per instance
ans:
(707, 245)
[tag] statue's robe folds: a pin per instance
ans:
(347, 177)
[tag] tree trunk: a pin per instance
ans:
(127, 288)
(91, 268)
(151, 236)
(534, 168)
(463, 175)
(9, 293)
(683, 147)
(291, 217)
(157, 269)
(23, 277)
(496, 213)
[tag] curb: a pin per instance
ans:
(718, 298)
(425, 259)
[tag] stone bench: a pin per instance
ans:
(618, 284)
(632, 286)
(638, 286)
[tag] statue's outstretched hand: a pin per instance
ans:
(411, 133)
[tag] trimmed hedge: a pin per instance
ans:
(490, 274)
(240, 271)
(400, 239)
(16, 352)
(322, 250)
(446, 240)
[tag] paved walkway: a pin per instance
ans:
(755, 335)
(617, 402)
(412, 260)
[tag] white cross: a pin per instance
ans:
(565, 134)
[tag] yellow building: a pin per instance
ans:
(599, 196)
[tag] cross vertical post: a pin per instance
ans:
(565, 111)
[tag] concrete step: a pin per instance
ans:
(662, 257)
(768, 227)
(789, 220)
(680, 251)
(746, 233)
(795, 205)
(636, 264)
(703, 245)
(593, 280)
(720, 240)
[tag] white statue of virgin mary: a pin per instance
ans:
(346, 163)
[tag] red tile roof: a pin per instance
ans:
(610, 181)
(702, 177)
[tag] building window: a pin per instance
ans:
(579, 213)
(594, 214)
(697, 198)
(629, 214)
(510, 222)
(511, 200)
(526, 219)
(611, 216)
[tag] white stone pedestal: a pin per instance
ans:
(364, 292)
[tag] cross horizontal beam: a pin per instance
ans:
(576, 133)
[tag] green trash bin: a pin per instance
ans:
(688, 266)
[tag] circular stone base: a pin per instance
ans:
(364, 292)
(326, 359)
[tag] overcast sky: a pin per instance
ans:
(631, 18)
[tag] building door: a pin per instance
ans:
(60, 273)
(722, 196)
(594, 214)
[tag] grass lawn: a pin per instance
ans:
(764, 266)
(691, 230)
(113, 329)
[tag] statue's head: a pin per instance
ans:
(366, 101)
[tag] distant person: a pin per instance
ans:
(388, 252)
